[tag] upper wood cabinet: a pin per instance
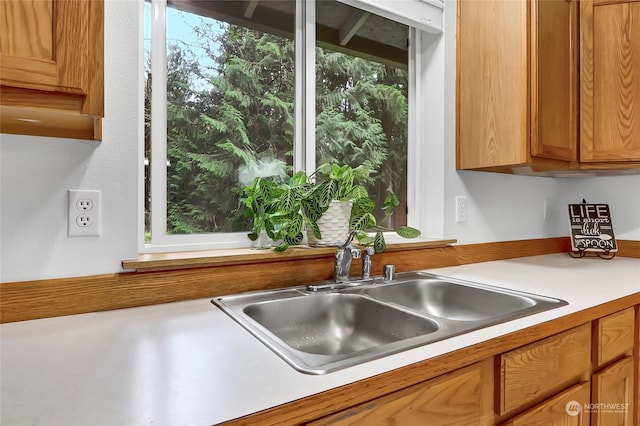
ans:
(517, 84)
(548, 86)
(51, 67)
(610, 80)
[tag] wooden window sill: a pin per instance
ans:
(224, 257)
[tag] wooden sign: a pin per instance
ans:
(591, 228)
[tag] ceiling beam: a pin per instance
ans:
(282, 24)
(352, 25)
(328, 38)
(250, 8)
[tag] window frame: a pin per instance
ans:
(304, 138)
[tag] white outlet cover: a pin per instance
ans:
(84, 213)
(461, 209)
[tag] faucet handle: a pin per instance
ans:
(355, 252)
(389, 272)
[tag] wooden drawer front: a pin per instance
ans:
(612, 395)
(637, 376)
(459, 398)
(541, 369)
(613, 336)
(555, 410)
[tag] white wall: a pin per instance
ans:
(621, 193)
(35, 174)
(509, 207)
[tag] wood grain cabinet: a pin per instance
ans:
(539, 370)
(612, 395)
(460, 398)
(565, 409)
(517, 85)
(613, 337)
(586, 375)
(52, 68)
(548, 86)
(614, 390)
(610, 81)
(636, 354)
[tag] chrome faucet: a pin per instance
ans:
(367, 253)
(344, 255)
(342, 267)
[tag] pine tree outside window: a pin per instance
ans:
(235, 89)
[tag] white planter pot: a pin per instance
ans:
(334, 225)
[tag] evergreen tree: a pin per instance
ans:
(238, 116)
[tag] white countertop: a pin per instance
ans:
(188, 363)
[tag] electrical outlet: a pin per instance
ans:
(84, 204)
(461, 209)
(84, 213)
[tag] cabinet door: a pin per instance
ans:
(613, 336)
(636, 352)
(493, 65)
(554, 79)
(538, 370)
(44, 45)
(565, 409)
(52, 68)
(612, 395)
(459, 398)
(610, 81)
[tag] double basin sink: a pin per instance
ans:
(320, 332)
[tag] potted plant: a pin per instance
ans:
(281, 207)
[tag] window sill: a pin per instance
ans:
(199, 259)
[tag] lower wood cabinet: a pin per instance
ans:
(460, 398)
(636, 352)
(534, 372)
(613, 337)
(565, 409)
(587, 375)
(612, 395)
(614, 390)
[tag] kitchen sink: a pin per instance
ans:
(458, 302)
(337, 324)
(320, 332)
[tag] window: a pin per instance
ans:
(239, 89)
(362, 98)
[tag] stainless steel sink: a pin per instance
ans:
(458, 302)
(337, 324)
(319, 332)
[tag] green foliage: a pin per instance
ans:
(407, 232)
(238, 114)
(280, 206)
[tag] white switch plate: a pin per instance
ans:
(84, 213)
(546, 208)
(461, 209)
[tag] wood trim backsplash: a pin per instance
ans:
(26, 300)
(198, 259)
